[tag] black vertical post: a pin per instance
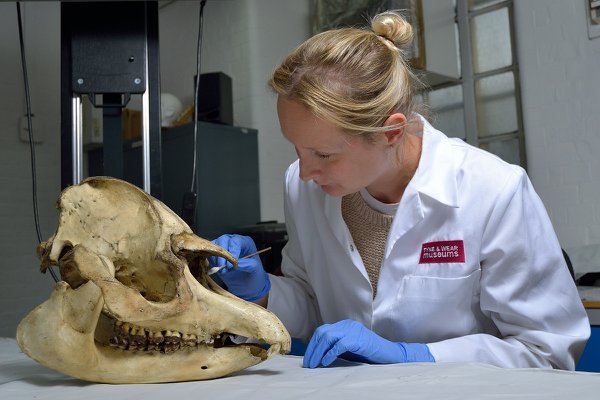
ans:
(154, 99)
(66, 94)
(112, 128)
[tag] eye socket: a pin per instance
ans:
(198, 266)
(194, 264)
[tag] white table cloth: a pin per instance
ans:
(283, 377)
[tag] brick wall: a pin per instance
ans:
(560, 84)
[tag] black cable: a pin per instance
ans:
(196, 90)
(36, 217)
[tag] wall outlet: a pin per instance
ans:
(38, 131)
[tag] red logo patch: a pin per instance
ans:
(446, 251)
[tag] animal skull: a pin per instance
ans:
(135, 303)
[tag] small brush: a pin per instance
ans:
(212, 270)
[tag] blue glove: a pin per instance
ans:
(248, 281)
(351, 340)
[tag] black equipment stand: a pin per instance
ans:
(109, 51)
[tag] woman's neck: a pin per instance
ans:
(390, 189)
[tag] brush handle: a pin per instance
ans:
(216, 269)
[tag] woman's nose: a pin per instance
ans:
(308, 170)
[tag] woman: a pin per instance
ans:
(404, 245)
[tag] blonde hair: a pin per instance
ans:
(354, 78)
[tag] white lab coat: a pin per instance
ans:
(511, 302)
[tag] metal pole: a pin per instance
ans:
(146, 137)
(77, 140)
(468, 78)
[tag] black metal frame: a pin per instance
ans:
(110, 49)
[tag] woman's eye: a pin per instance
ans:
(322, 155)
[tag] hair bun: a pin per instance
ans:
(393, 27)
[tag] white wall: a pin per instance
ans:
(560, 85)
(245, 39)
(22, 287)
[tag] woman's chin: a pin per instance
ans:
(334, 190)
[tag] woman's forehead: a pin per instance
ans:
(304, 129)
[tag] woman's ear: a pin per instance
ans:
(394, 135)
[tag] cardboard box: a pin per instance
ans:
(132, 124)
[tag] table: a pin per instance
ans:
(590, 359)
(283, 377)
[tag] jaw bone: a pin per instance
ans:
(106, 363)
(98, 326)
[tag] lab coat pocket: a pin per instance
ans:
(433, 308)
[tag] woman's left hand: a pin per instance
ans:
(351, 340)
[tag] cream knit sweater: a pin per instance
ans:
(369, 230)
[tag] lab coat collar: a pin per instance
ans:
(435, 178)
(436, 175)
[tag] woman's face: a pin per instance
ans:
(339, 163)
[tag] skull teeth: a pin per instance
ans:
(135, 338)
